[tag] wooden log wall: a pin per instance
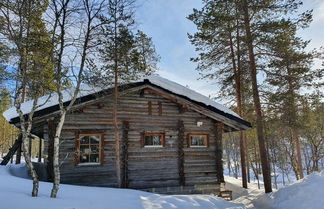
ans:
(181, 138)
(175, 164)
(219, 152)
(124, 154)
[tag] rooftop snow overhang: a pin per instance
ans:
(157, 82)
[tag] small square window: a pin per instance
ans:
(153, 139)
(198, 140)
(89, 148)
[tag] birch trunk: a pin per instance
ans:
(30, 166)
(56, 154)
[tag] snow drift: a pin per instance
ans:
(307, 193)
(15, 193)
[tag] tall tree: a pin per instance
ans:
(262, 19)
(312, 116)
(24, 30)
(256, 98)
(256, 21)
(221, 57)
(288, 74)
(124, 55)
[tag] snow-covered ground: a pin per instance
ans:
(307, 193)
(15, 194)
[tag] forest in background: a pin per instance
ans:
(253, 51)
(238, 42)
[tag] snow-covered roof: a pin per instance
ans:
(49, 101)
(191, 94)
(52, 99)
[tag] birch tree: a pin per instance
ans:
(65, 11)
(24, 31)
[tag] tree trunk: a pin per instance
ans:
(116, 131)
(30, 166)
(237, 76)
(30, 145)
(257, 103)
(56, 154)
(299, 155)
(247, 159)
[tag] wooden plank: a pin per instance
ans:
(50, 149)
(40, 150)
(149, 106)
(160, 108)
(181, 139)
(124, 155)
(12, 150)
(219, 152)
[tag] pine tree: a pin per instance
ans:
(221, 54)
(289, 72)
(124, 55)
(312, 130)
(256, 21)
(4, 51)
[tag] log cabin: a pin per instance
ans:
(170, 137)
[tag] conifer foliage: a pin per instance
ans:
(237, 41)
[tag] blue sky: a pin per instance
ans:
(165, 21)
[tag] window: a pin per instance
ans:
(89, 148)
(153, 140)
(198, 140)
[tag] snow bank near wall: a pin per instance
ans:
(307, 193)
(15, 193)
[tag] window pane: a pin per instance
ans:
(153, 140)
(84, 140)
(156, 140)
(84, 158)
(198, 140)
(84, 149)
(148, 140)
(94, 139)
(194, 141)
(94, 158)
(94, 148)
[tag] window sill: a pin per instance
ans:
(88, 164)
(153, 146)
(198, 147)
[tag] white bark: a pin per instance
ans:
(56, 154)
